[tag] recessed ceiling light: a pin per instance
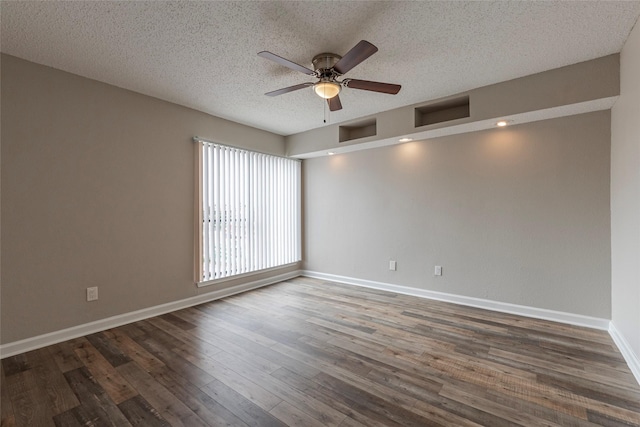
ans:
(502, 123)
(405, 139)
(331, 153)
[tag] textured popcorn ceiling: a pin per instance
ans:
(203, 54)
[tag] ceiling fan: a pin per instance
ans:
(327, 68)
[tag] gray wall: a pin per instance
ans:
(625, 196)
(518, 215)
(97, 190)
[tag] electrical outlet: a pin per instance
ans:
(392, 265)
(92, 293)
(438, 271)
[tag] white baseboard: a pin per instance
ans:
(17, 347)
(522, 310)
(629, 355)
(44, 340)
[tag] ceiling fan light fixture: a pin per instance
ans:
(327, 68)
(327, 90)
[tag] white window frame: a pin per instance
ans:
(284, 238)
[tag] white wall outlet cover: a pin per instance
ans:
(438, 271)
(92, 293)
(392, 265)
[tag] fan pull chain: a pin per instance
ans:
(326, 114)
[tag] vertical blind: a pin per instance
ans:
(250, 211)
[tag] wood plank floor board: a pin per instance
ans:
(442, 416)
(508, 413)
(172, 409)
(398, 343)
(140, 413)
(307, 352)
(111, 353)
(246, 345)
(52, 381)
(15, 364)
(512, 323)
(313, 312)
(229, 307)
(243, 408)
(6, 407)
(102, 371)
(325, 356)
(604, 420)
(405, 384)
(329, 397)
(222, 313)
(312, 407)
(420, 379)
(616, 396)
(237, 355)
(465, 411)
(349, 322)
(24, 390)
(540, 413)
(350, 422)
(198, 318)
(214, 322)
(363, 382)
(174, 361)
(188, 340)
(292, 416)
(242, 385)
(364, 401)
(157, 334)
(65, 357)
(608, 359)
(539, 366)
(206, 408)
(177, 321)
(355, 343)
(251, 335)
(67, 419)
(96, 407)
(135, 351)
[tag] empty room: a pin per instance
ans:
(320, 213)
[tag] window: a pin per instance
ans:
(250, 211)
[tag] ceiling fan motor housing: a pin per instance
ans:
(323, 63)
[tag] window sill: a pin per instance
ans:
(244, 275)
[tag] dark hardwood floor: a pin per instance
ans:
(311, 353)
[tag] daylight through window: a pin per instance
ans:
(250, 211)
